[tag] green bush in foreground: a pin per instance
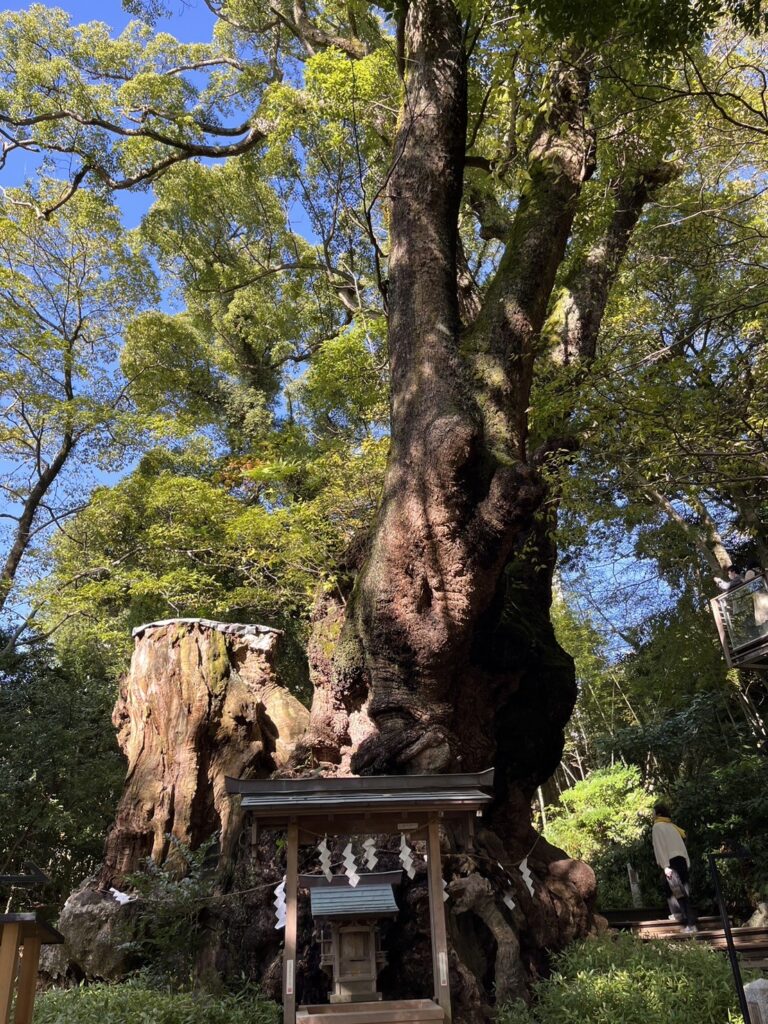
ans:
(620, 978)
(135, 1003)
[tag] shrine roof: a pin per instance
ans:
(348, 794)
(334, 903)
(32, 926)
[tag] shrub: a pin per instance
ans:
(168, 931)
(60, 769)
(605, 820)
(727, 808)
(609, 806)
(620, 978)
(136, 1003)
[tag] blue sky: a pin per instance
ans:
(189, 21)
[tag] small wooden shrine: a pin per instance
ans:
(21, 936)
(415, 806)
(350, 940)
(741, 616)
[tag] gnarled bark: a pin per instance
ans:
(200, 702)
(441, 656)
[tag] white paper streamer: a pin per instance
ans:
(325, 858)
(123, 897)
(525, 871)
(371, 860)
(406, 857)
(280, 905)
(350, 865)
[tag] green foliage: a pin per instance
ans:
(605, 820)
(137, 1002)
(609, 806)
(167, 931)
(250, 540)
(726, 808)
(620, 978)
(699, 735)
(68, 285)
(60, 770)
(663, 24)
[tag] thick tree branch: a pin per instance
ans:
(494, 220)
(504, 339)
(254, 132)
(311, 36)
(575, 321)
(705, 537)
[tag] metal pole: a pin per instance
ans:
(729, 938)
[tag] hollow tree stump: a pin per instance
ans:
(201, 701)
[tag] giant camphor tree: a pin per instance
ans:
(470, 175)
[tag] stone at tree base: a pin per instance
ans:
(95, 927)
(600, 925)
(760, 917)
(201, 701)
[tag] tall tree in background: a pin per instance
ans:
(68, 286)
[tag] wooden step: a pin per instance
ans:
(677, 931)
(741, 936)
(659, 923)
(397, 1011)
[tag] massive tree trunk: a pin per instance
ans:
(442, 656)
(201, 701)
(446, 658)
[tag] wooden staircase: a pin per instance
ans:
(751, 943)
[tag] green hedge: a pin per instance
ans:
(621, 979)
(135, 1003)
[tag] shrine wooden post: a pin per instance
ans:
(437, 915)
(9, 961)
(291, 924)
(27, 983)
(21, 936)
